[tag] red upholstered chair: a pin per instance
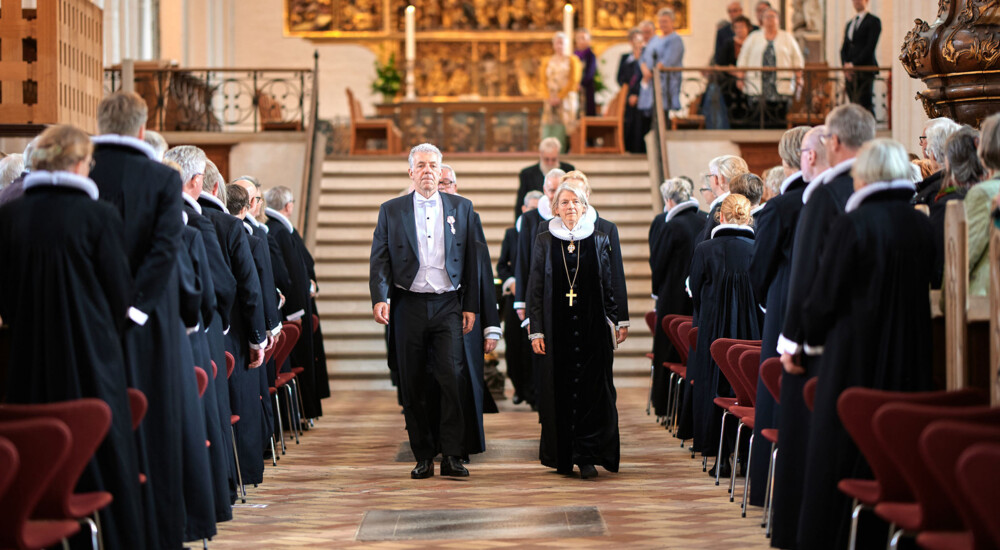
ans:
(650, 318)
(670, 325)
(979, 483)
(898, 426)
(9, 463)
(43, 444)
(856, 407)
(809, 393)
(137, 404)
(719, 350)
(233, 419)
(749, 369)
(692, 340)
(202, 377)
(770, 374)
(289, 383)
(88, 421)
(942, 444)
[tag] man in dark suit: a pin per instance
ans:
(532, 177)
(516, 339)
(423, 258)
(724, 35)
(860, 38)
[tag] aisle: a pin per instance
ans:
(319, 493)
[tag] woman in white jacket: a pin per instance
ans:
(770, 46)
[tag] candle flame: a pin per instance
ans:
(410, 9)
(568, 8)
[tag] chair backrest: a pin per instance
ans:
(651, 320)
(671, 326)
(270, 109)
(719, 350)
(857, 406)
(693, 338)
(749, 368)
(138, 405)
(616, 107)
(684, 339)
(88, 420)
(942, 444)
(315, 319)
(809, 392)
(215, 370)
(745, 392)
(980, 485)
(898, 427)
(42, 445)
(9, 463)
(291, 333)
(352, 105)
(202, 377)
(770, 373)
(230, 364)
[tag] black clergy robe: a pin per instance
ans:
(617, 268)
(725, 308)
(713, 218)
(220, 451)
(671, 246)
(769, 270)
(517, 350)
(147, 196)
(532, 223)
(321, 377)
(576, 394)
(823, 202)
(269, 300)
(531, 179)
(868, 309)
(246, 328)
(66, 287)
(291, 275)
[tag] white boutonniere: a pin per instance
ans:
(451, 222)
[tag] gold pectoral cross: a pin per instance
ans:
(571, 294)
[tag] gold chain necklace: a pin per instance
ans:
(572, 282)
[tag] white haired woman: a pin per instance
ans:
(571, 309)
(869, 319)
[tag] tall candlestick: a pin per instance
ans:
(411, 40)
(568, 25)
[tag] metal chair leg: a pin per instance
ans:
(892, 531)
(204, 544)
(239, 474)
(894, 541)
(770, 499)
(746, 476)
(668, 419)
(299, 406)
(736, 463)
(281, 431)
(649, 397)
(100, 532)
(93, 532)
(677, 403)
(274, 457)
(855, 515)
(292, 416)
(767, 486)
(718, 455)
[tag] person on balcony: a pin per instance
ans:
(860, 39)
(560, 80)
(636, 124)
(583, 52)
(663, 52)
(770, 47)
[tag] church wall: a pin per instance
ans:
(272, 163)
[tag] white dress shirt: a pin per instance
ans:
(432, 277)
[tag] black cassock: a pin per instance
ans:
(291, 275)
(531, 179)
(147, 196)
(671, 245)
(517, 351)
(321, 376)
(869, 311)
(272, 320)
(480, 397)
(576, 395)
(66, 287)
(636, 124)
(246, 326)
(822, 203)
(713, 219)
(769, 271)
(724, 307)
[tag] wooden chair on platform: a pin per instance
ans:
(365, 130)
(609, 128)
(272, 118)
(692, 120)
(813, 100)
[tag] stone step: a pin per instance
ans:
(628, 198)
(467, 167)
(348, 251)
(357, 234)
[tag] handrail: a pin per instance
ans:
(310, 209)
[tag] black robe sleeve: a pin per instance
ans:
(537, 280)
(698, 277)
(522, 265)
(269, 298)
(831, 288)
(189, 289)
(489, 315)
(766, 253)
(470, 274)
(247, 283)
(151, 277)
(606, 263)
(618, 275)
(199, 259)
(505, 264)
(222, 278)
(112, 270)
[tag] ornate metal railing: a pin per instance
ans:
(222, 100)
(744, 97)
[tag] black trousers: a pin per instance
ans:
(429, 348)
(861, 88)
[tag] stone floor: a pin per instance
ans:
(320, 492)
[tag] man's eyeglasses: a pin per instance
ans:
(922, 140)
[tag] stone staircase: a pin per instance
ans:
(353, 188)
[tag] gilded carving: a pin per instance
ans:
(916, 47)
(984, 51)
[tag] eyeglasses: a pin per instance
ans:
(922, 140)
(93, 163)
(705, 189)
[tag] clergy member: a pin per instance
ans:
(532, 177)
(423, 253)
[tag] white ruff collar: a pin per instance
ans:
(247, 225)
(826, 177)
(42, 178)
(280, 217)
(718, 200)
(788, 181)
(184, 216)
(126, 141)
(545, 207)
(214, 200)
(720, 227)
(678, 208)
(757, 208)
(517, 224)
(193, 203)
(256, 223)
(860, 195)
(584, 228)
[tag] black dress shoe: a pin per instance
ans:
(517, 399)
(452, 466)
(423, 470)
(587, 471)
(725, 470)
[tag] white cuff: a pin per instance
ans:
(492, 332)
(225, 331)
(195, 328)
(137, 316)
(276, 330)
(296, 316)
(812, 350)
(525, 322)
(654, 296)
(787, 346)
(259, 345)
(624, 324)
(762, 308)
(536, 336)
(506, 285)
(519, 305)
(687, 287)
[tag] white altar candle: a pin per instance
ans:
(568, 26)
(411, 41)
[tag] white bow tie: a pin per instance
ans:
(426, 203)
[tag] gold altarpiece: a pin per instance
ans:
(479, 54)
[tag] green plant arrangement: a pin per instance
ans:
(388, 78)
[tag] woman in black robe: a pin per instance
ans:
(572, 313)
(725, 308)
(66, 290)
(635, 124)
(671, 246)
(869, 318)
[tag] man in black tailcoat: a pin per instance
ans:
(533, 177)
(147, 195)
(860, 39)
(424, 256)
